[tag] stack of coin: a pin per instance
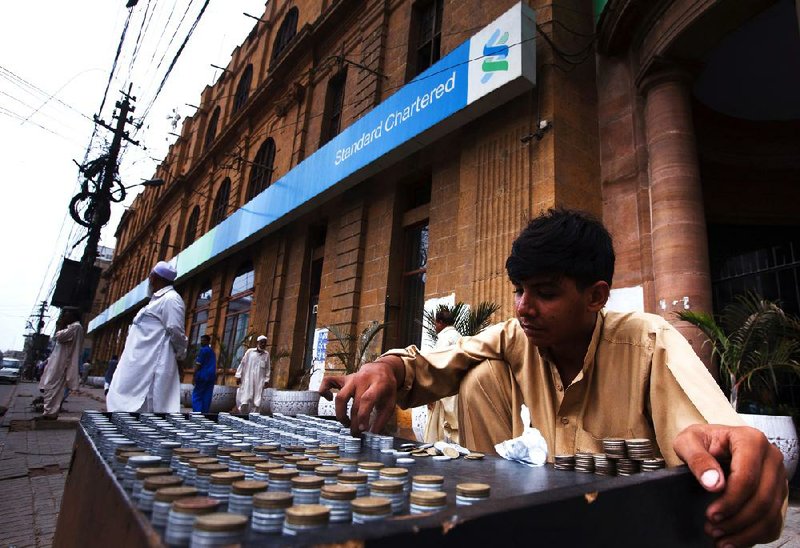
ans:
(584, 462)
(649, 465)
(627, 467)
(640, 448)
(564, 462)
(474, 456)
(603, 465)
(352, 445)
(614, 448)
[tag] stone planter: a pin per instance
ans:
(780, 430)
(266, 401)
(223, 399)
(295, 402)
(97, 382)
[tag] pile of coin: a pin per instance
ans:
(639, 449)
(650, 465)
(604, 465)
(564, 462)
(614, 448)
(584, 462)
(627, 467)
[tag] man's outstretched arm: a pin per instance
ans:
(374, 386)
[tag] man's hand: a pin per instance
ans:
(374, 386)
(749, 509)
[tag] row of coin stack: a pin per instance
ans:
(206, 483)
(620, 457)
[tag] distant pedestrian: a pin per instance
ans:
(112, 366)
(204, 376)
(85, 369)
(146, 379)
(252, 375)
(61, 373)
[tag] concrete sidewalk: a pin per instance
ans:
(35, 456)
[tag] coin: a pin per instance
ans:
(474, 456)
(451, 452)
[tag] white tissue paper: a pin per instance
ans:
(530, 448)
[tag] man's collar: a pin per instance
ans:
(162, 291)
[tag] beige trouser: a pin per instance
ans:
(488, 394)
(54, 396)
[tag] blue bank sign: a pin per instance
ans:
(495, 65)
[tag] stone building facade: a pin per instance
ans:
(614, 125)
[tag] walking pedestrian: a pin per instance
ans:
(61, 373)
(204, 376)
(251, 376)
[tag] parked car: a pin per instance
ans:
(10, 370)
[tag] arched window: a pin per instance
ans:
(243, 89)
(211, 132)
(261, 171)
(220, 210)
(286, 32)
(163, 249)
(200, 317)
(237, 314)
(191, 227)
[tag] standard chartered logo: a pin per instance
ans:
(495, 55)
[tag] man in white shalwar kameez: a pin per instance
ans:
(253, 372)
(147, 377)
(62, 366)
(443, 414)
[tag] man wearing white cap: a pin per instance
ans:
(251, 375)
(146, 379)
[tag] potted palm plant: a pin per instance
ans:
(755, 342)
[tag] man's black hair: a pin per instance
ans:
(563, 242)
(445, 315)
(205, 337)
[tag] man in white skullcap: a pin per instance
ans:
(252, 375)
(147, 379)
(62, 366)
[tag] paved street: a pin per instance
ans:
(34, 463)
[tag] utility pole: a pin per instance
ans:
(36, 342)
(99, 209)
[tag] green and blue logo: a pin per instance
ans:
(495, 55)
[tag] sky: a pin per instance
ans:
(55, 63)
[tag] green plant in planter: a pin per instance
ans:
(351, 351)
(469, 321)
(753, 341)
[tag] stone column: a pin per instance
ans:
(679, 236)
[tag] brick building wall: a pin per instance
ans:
(485, 179)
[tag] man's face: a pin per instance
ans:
(552, 311)
(262, 344)
(204, 341)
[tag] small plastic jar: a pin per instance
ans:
(371, 469)
(338, 498)
(219, 486)
(149, 488)
(162, 502)
(240, 500)
(269, 511)
(392, 490)
(180, 520)
(305, 517)
(203, 475)
(354, 479)
(261, 472)
(468, 494)
(367, 509)
(219, 529)
(423, 502)
(144, 473)
(427, 482)
(280, 479)
(306, 489)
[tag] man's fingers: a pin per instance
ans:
(759, 516)
(692, 446)
(344, 395)
(328, 384)
(384, 410)
(746, 446)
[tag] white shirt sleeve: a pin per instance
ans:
(174, 321)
